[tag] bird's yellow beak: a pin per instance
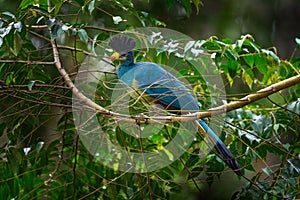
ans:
(115, 56)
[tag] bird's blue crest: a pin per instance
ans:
(122, 44)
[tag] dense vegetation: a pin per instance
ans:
(44, 152)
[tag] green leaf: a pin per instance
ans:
(187, 6)
(248, 76)
(230, 80)
(91, 6)
(57, 7)
(10, 38)
(9, 14)
(230, 54)
(286, 146)
(170, 3)
(30, 84)
(18, 26)
(249, 59)
(267, 171)
(17, 44)
(261, 64)
(39, 146)
(10, 78)
(232, 64)
(272, 54)
(276, 127)
(244, 39)
(26, 3)
(255, 47)
(169, 154)
(197, 4)
(295, 164)
(188, 45)
(83, 35)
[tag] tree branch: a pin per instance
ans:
(253, 97)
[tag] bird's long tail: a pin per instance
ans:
(222, 150)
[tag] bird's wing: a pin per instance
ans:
(164, 87)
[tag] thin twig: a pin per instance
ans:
(27, 62)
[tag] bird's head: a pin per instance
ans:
(125, 59)
(123, 47)
(118, 56)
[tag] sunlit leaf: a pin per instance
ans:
(248, 77)
(230, 54)
(297, 41)
(39, 146)
(230, 80)
(197, 4)
(30, 84)
(188, 45)
(249, 135)
(276, 127)
(18, 26)
(26, 150)
(295, 164)
(91, 6)
(9, 14)
(272, 54)
(117, 19)
(65, 28)
(267, 171)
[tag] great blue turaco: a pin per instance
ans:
(165, 89)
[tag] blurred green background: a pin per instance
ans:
(271, 22)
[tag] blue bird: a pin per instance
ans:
(164, 89)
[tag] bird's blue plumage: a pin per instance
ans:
(168, 91)
(159, 84)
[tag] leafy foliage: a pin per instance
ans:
(41, 155)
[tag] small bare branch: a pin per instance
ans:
(28, 62)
